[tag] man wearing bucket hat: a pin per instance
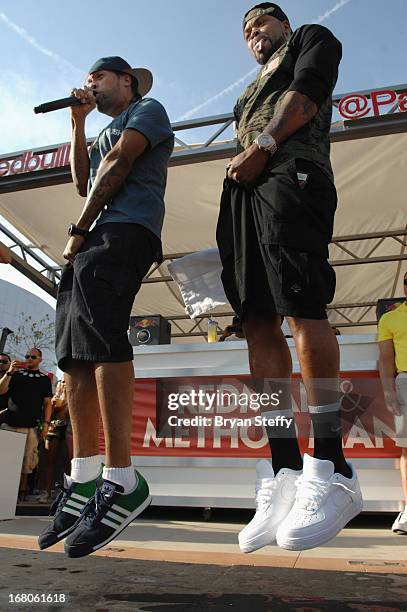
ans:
(275, 224)
(110, 248)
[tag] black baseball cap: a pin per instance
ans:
(265, 8)
(118, 64)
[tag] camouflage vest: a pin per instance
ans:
(260, 101)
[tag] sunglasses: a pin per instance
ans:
(405, 281)
(4, 361)
(31, 357)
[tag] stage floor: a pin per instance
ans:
(173, 560)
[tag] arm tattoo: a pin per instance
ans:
(109, 179)
(293, 113)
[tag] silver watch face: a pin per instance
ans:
(265, 140)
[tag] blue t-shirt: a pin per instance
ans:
(141, 197)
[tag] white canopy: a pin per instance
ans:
(370, 178)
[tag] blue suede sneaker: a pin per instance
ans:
(106, 515)
(66, 509)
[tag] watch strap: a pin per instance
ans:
(73, 230)
(271, 148)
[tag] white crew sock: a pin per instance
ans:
(84, 469)
(124, 476)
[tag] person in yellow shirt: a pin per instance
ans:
(393, 374)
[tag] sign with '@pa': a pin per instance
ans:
(356, 106)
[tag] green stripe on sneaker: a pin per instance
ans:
(81, 498)
(121, 510)
(130, 501)
(75, 504)
(115, 517)
(110, 523)
(71, 511)
(86, 489)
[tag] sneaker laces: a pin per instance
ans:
(310, 492)
(61, 498)
(96, 507)
(265, 488)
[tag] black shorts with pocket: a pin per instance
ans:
(273, 241)
(96, 294)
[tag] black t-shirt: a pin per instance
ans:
(317, 54)
(27, 391)
(5, 396)
(4, 400)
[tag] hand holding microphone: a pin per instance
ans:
(86, 102)
(79, 98)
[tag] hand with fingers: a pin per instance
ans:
(392, 402)
(16, 365)
(72, 247)
(88, 102)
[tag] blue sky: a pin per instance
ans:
(194, 49)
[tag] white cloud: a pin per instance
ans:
(218, 96)
(242, 79)
(333, 10)
(20, 129)
(34, 43)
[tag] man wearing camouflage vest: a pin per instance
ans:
(275, 224)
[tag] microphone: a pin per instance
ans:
(47, 107)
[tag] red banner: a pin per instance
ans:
(368, 428)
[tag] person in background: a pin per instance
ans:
(233, 332)
(392, 337)
(5, 362)
(29, 405)
(56, 445)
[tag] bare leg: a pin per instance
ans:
(23, 484)
(115, 386)
(270, 358)
(69, 447)
(83, 406)
(51, 459)
(269, 355)
(318, 354)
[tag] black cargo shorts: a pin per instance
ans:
(273, 241)
(96, 294)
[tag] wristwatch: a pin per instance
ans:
(266, 142)
(75, 231)
(9, 373)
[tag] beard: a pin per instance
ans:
(104, 103)
(268, 48)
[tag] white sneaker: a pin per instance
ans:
(274, 497)
(325, 502)
(400, 524)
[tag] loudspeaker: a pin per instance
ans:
(387, 304)
(152, 329)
